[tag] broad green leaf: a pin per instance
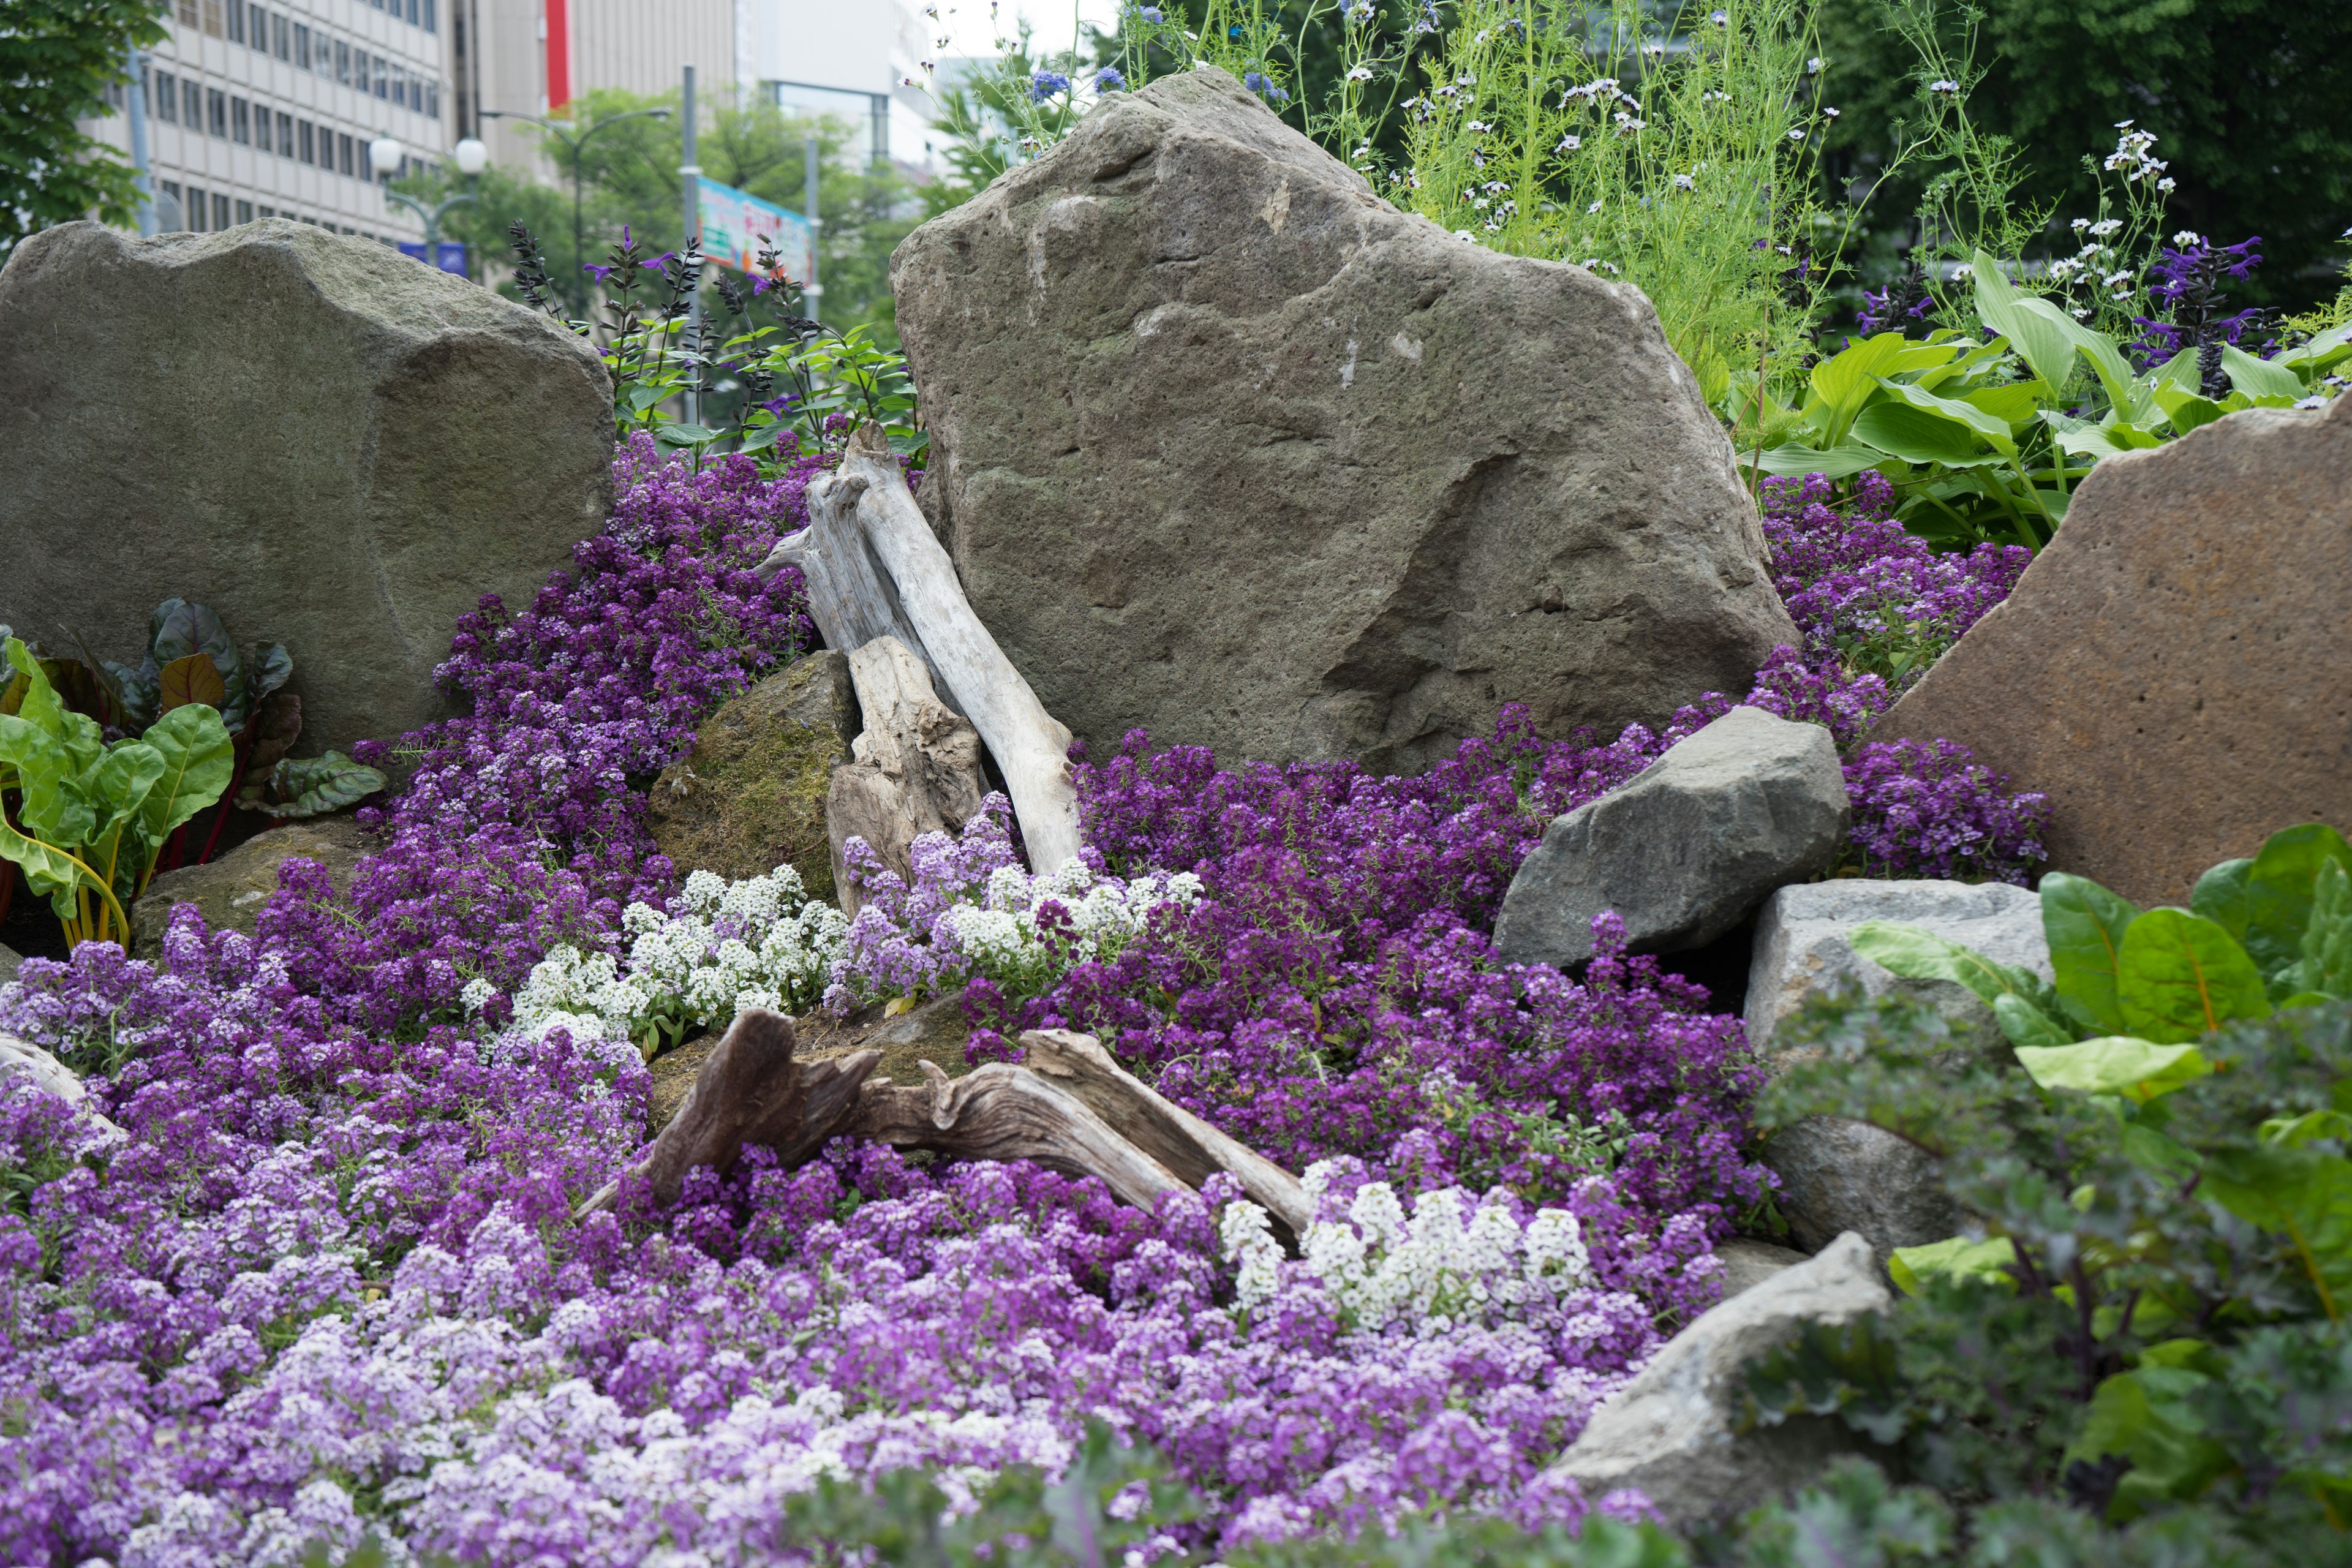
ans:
(2151, 1151)
(1910, 1266)
(680, 434)
(77, 732)
(2026, 1025)
(2018, 402)
(48, 870)
(2259, 378)
(2085, 925)
(2048, 348)
(760, 439)
(2302, 1193)
(50, 804)
(1843, 380)
(2101, 439)
(191, 680)
(199, 761)
(2140, 1070)
(2180, 976)
(1989, 428)
(1918, 954)
(1792, 462)
(119, 783)
(2220, 896)
(2183, 407)
(1917, 435)
(2326, 966)
(2279, 888)
(2296, 1132)
(2148, 1418)
(312, 786)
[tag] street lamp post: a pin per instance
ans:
(579, 240)
(470, 156)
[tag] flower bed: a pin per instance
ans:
(324, 1280)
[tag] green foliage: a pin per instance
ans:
(58, 58)
(311, 786)
(191, 657)
(91, 817)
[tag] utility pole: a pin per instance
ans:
(812, 292)
(689, 183)
(137, 93)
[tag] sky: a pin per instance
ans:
(968, 25)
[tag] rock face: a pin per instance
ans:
(334, 448)
(1838, 1177)
(1687, 847)
(1748, 1263)
(1225, 447)
(1670, 1431)
(1802, 950)
(230, 891)
(2173, 671)
(749, 797)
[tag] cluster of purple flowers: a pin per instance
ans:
(2187, 276)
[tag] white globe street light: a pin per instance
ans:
(470, 155)
(384, 154)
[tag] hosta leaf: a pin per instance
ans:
(2115, 1064)
(195, 679)
(2281, 886)
(312, 786)
(1794, 462)
(2259, 378)
(2085, 925)
(1917, 434)
(1989, 428)
(2179, 977)
(198, 759)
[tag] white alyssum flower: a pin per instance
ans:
(721, 948)
(1026, 931)
(1453, 1259)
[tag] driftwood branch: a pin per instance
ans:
(1069, 1106)
(875, 569)
(915, 768)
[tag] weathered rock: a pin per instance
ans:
(1687, 847)
(1839, 1176)
(916, 767)
(332, 447)
(1801, 948)
(2173, 671)
(1748, 1263)
(230, 891)
(1670, 1432)
(751, 795)
(1227, 447)
(9, 959)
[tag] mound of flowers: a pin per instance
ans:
(316, 1277)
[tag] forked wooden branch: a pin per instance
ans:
(875, 569)
(750, 1091)
(1069, 1106)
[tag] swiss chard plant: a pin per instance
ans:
(91, 817)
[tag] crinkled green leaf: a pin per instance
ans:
(2027, 1025)
(312, 786)
(2137, 1069)
(2147, 1417)
(2085, 925)
(2220, 895)
(1910, 1266)
(1919, 955)
(2326, 966)
(77, 732)
(199, 758)
(2281, 886)
(2301, 1194)
(2179, 977)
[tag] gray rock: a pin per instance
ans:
(1801, 948)
(332, 447)
(1748, 1263)
(1687, 848)
(52, 1076)
(1839, 1176)
(9, 960)
(1227, 448)
(1670, 1432)
(230, 891)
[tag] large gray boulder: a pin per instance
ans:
(1227, 448)
(1842, 1177)
(1687, 848)
(1803, 950)
(333, 446)
(1672, 1432)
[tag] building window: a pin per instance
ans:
(213, 18)
(414, 18)
(237, 21)
(264, 212)
(383, 77)
(433, 104)
(284, 134)
(172, 188)
(429, 27)
(302, 48)
(240, 121)
(281, 42)
(343, 152)
(220, 211)
(309, 149)
(165, 96)
(342, 62)
(188, 13)
(260, 28)
(193, 215)
(244, 212)
(216, 111)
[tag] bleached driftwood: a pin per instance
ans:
(750, 1091)
(884, 573)
(1068, 1105)
(915, 769)
(1189, 1148)
(53, 1076)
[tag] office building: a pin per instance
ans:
(533, 56)
(256, 111)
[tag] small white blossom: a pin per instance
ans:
(1571, 144)
(1947, 87)
(2187, 237)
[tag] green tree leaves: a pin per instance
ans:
(58, 57)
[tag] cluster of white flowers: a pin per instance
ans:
(2135, 157)
(1431, 1272)
(1095, 918)
(721, 947)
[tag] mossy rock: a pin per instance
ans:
(230, 891)
(751, 795)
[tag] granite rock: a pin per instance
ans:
(229, 892)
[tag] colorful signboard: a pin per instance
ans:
(449, 253)
(735, 224)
